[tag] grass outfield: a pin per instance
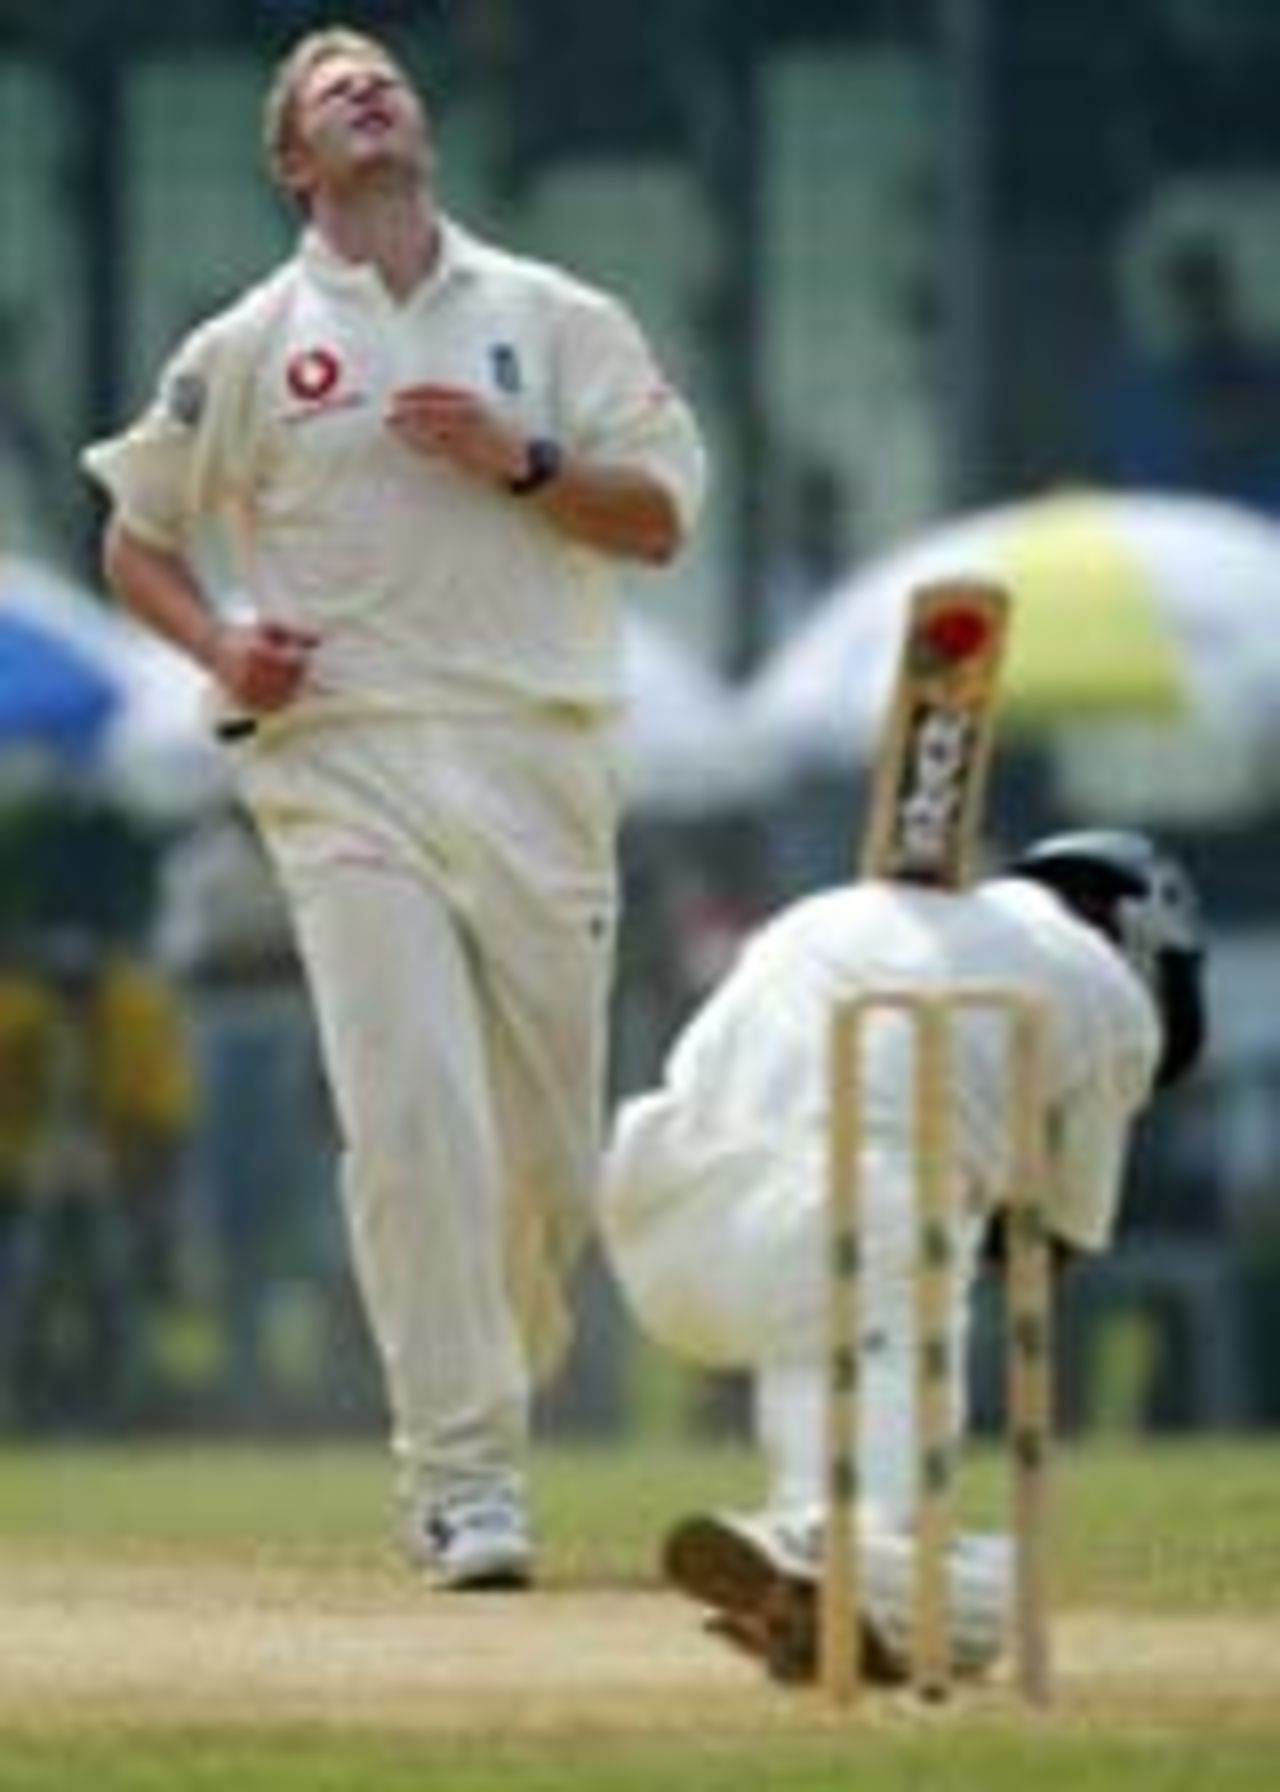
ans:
(237, 1618)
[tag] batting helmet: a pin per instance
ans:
(1139, 895)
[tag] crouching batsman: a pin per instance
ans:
(715, 1202)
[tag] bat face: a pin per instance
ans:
(931, 774)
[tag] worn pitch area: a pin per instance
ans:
(166, 1645)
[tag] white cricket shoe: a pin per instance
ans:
(476, 1543)
(732, 1559)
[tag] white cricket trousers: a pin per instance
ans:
(725, 1263)
(790, 1424)
(452, 885)
(722, 1256)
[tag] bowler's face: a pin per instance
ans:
(355, 114)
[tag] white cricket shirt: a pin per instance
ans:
(744, 1098)
(427, 587)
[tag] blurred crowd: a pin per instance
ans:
(165, 1229)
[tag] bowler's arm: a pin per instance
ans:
(259, 665)
(619, 510)
(157, 585)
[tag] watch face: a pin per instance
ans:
(543, 462)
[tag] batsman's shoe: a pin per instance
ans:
(477, 1543)
(760, 1577)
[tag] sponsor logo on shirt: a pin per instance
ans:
(314, 377)
(313, 373)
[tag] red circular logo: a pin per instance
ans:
(313, 373)
(957, 633)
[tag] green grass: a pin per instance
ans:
(1192, 1529)
(1161, 1528)
(1183, 1531)
(600, 1510)
(954, 1763)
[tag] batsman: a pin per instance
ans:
(714, 1211)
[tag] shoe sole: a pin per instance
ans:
(713, 1562)
(510, 1579)
(499, 1570)
(758, 1607)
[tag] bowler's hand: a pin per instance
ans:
(262, 665)
(454, 424)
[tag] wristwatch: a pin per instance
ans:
(543, 461)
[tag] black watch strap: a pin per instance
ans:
(543, 461)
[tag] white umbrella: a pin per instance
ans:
(161, 756)
(1143, 607)
(688, 749)
(139, 723)
(97, 697)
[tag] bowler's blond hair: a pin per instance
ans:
(279, 111)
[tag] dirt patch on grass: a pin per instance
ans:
(157, 1648)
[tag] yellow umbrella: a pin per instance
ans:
(1126, 608)
(1086, 638)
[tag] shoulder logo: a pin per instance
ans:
(312, 374)
(186, 398)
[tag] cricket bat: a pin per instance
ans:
(930, 777)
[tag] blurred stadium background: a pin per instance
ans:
(911, 258)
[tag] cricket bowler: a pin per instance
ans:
(431, 459)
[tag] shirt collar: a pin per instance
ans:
(461, 257)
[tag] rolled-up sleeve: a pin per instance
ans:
(175, 465)
(617, 406)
